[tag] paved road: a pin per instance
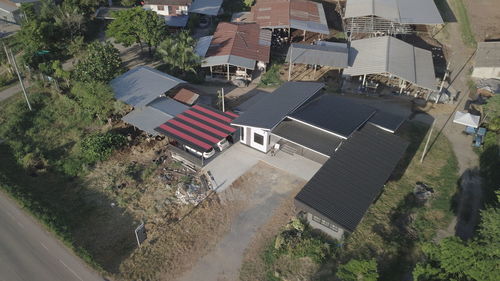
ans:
(28, 252)
(9, 92)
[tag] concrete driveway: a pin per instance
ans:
(239, 158)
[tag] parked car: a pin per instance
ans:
(223, 144)
(206, 155)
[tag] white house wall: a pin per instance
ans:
(175, 10)
(486, 72)
(335, 234)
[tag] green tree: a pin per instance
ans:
(358, 270)
(153, 30)
(124, 28)
(455, 259)
(137, 25)
(95, 98)
(127, 3)
(178, 52)
(101, 63)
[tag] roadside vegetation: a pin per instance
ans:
(388, 241)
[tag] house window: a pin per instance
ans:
(161, 8)
(242, 134)
(325, 223)
(258, 139)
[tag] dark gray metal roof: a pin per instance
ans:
(390, 55)
(202, 45)
(307, 136)
(325, 55)
(399, 11)
(206, 7)
(272, 109)
(387, 121)
(176, 21)
(141, 85)
(348, 183)
(334, 114)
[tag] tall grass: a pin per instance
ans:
(464, 22)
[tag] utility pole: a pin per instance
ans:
(223, 103)
(290, 63)
(20, 80)
(427, 142)
(446, 73)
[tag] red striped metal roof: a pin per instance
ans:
(199, 127)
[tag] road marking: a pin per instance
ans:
(70, 270)
(44, 246)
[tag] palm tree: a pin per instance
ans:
(178, 52)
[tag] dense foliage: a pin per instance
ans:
(137, 25)
(455, 259)
(95, 98)
(98, 147)
(358, 270)
(492, 113)
(177, 52)
(101, 63)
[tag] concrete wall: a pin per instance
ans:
(248, 138)
(174, 10)
(335, 234)
(486, 72)
(306, 152)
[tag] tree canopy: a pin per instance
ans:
(455, 260)
(137, 25)
(358, 270)
(101, 63)
(178, 52)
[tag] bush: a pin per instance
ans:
(358, 270)
(272, 77)
(98, 147)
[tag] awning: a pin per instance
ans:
(199, 127)
(466, 119)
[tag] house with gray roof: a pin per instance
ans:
(355, 143)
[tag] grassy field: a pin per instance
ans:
(395, 225)
(464, 22)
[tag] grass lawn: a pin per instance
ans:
(395, 225)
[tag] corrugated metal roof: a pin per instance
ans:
(488, 54)
(168, 2)
(168, 106)
(399, 11)
(390, 55)
(141, 85)
(186, 96)
(202, 45)
(334, 56)
(307, 136)
(8, 6)
(206, 7)
(334, 114)
(146, 119)
(348, 183)
(176, 21)
(268, 111)
(239, 44)
(387, 121)
(297, 14)
(200, 127)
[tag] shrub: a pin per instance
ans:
(98, 147)
(358, 270)
(272, 77)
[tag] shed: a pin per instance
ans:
(335, 56)
(141, 85)
(392, 57)
(487, 63)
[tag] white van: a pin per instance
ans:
(206, 155)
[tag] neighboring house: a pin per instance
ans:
(355, 143)
(322, 53)
(394, 59)
(390, 17)
(206, 7)
(487, 63)
(145, 89)
(304, 15)
(10, 12)
(235, 50)
(174, 11)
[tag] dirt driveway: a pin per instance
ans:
(263, 188)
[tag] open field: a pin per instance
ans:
(393, 227)
(484, 18)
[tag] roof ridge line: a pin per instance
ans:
(387, 53)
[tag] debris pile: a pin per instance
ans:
(422, 192)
